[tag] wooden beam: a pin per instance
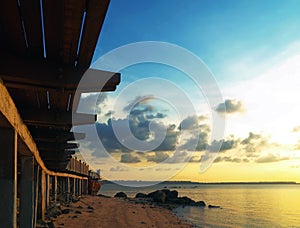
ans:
(45, 146)
(53, 118)
(27, 73)
(10, 112)
(59, 137)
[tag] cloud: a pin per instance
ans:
(254, 143)
(225, 145)
(228, 159)
(91, 103)
(117, 169)
(139, 100)
(158, 157)
(296, 129)
(128, 158)
(230, 106)
(270, 158)
(156, 116)
(297, 146)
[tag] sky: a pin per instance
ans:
(251, 50)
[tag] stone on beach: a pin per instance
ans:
(120, 195)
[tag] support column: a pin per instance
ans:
(36, 191)
(43, 195)
(67, 180)
(27, 192)
(8, 177)
(54, 188)
(73, 187)
(80, 187)
(47, 190)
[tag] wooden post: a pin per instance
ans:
(54, 187)
(36, 193)
(47, 190)
(8, 177)
(43, 195)
(80, 187)
(67, 180)
(27, 192)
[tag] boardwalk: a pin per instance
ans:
(45, 48)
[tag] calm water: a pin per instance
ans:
(242, 205)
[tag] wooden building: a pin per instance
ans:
(45, 48)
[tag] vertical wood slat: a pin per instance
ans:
(31, 12)
(96, 12)
(53, 26)
(11, 26)
(73, 13)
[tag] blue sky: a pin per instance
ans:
(253, 50)
(219, 32)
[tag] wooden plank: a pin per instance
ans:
(54, 118)
(11, 30)
(96, 12)
(73, 13)
(46, 146)
(31, 13)
(26, 74)
(10, 112)
(53, 26)
(58, 138)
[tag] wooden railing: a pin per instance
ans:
(78, 166)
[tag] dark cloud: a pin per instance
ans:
(158, 157)
(270, 158)
(156, 116)
(189, 123)
(254, 143)
(198, 142)
(227, 159)
(139, 100)
(171, 139)
(223, 145)
(230, 106)
(129, 158)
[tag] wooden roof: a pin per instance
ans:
(45, 48)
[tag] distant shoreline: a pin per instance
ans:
(212, 183)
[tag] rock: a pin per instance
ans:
(158, 196)
(183, 201)
(200, 204)
(213, 206)
(166, 191)
(50, 224)
(66, 211)
(121, 195)
(172, 195)
(141, 195)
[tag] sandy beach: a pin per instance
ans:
(95, 211)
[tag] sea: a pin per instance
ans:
(241, 205)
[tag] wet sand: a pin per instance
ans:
(95, 211)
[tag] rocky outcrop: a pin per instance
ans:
(141, 195)
(158, 196)
(120, 195)
(171, 197)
